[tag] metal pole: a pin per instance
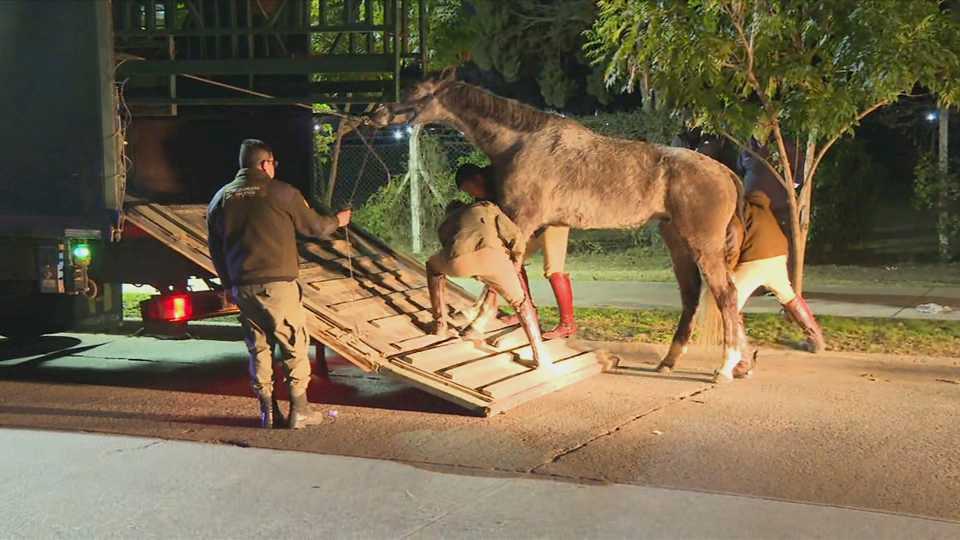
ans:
(416, 242)
(944, 167)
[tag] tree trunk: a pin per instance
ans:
(334, 165)
(800, 211)
(646, 91)
(943, 211)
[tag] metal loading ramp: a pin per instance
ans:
(370, 304)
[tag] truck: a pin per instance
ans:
(117, 102)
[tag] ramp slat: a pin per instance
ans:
(518, 383)
(486, 371)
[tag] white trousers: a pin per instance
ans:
(770, 273)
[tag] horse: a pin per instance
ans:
(550, 170)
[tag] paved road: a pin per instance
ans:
(89, 486)
(883, 302)
(861, 431)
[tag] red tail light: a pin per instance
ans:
(176, 307)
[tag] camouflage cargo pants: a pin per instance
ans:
(272, 315)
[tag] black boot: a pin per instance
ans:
(270, 414)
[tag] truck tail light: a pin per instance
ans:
(177, 307)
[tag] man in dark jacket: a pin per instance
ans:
(252, 226)
(758, 177)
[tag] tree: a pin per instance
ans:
(806, 70)
(533, 44)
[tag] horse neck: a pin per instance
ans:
(494, 139)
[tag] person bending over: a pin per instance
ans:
(477, 182)
(481, 242)
(763, 262)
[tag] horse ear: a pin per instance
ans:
(449, 74)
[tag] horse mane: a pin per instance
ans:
(507, 112)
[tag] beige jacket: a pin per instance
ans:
(466, 229)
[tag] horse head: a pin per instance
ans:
(419, 105)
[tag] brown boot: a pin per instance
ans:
(437, 286)
(563, 290)
(800, 311)
(525, 285)
(531, 327)
(301, 413)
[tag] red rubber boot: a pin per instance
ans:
(563, 290)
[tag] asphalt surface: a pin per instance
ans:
(150, 488)
(869, 432)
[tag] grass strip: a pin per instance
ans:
(844, 334)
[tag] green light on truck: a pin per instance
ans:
(81, 254)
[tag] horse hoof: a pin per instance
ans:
(720, 377)
(664, 369)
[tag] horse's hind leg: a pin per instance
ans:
(688, 278)
(725, 293)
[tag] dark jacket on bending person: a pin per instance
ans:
(757, 176)
(252, 224)
(469, 228)
(763, 238)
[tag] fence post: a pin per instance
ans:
(342, 130)
(415, 171)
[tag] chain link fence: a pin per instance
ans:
(401, 204)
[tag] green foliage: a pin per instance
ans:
(818, 65)
(536, 39)
(794, 68)
(387, 212)
(931, 186)
(658, 125)
(846, 198)
(451, 33)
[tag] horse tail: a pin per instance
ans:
(735, 228)
(709, 320)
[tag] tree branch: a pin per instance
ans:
(826, 147)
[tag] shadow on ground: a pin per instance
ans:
(65, 360)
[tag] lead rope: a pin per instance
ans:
(353, 193)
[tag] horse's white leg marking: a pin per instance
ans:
(725, 373)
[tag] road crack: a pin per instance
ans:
(136, 448)
(580, 446)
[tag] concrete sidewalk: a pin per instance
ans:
(880, 302)
(94, 486)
